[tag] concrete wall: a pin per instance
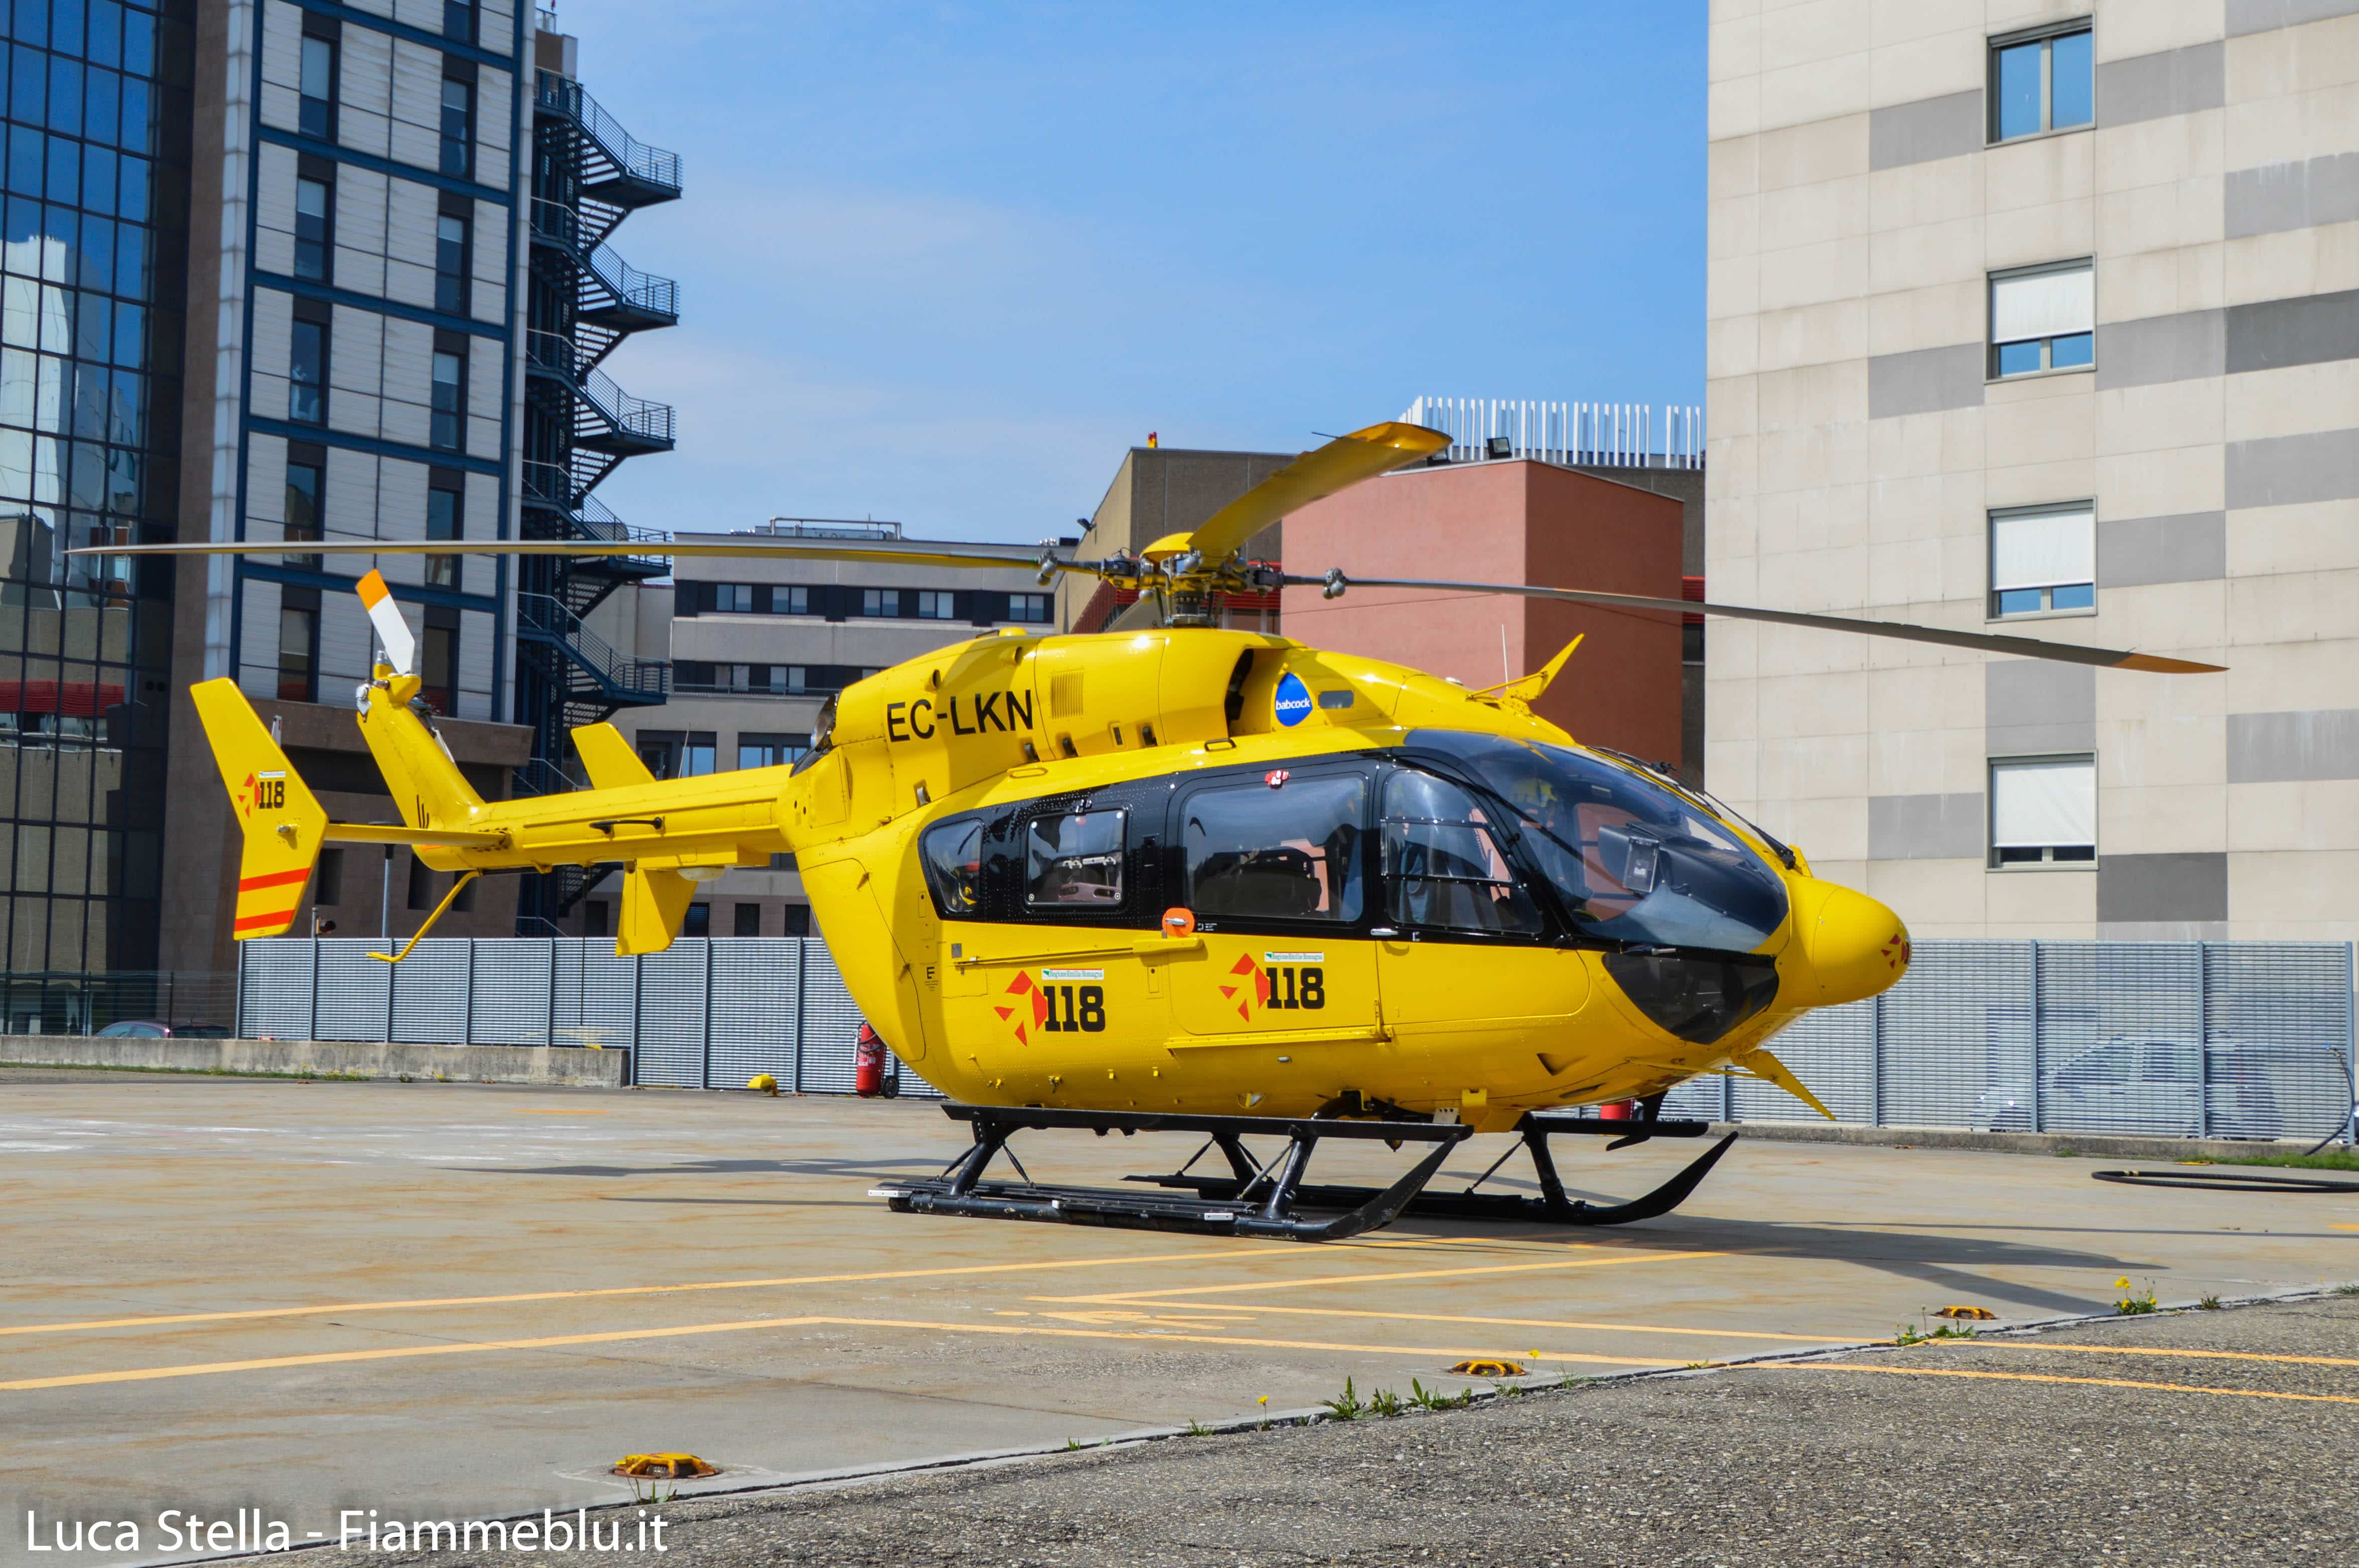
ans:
(564, 1066)
(1508, 521)
(1858, 446)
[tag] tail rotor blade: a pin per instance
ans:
(400, 648)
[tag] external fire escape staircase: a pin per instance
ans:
(589, 174)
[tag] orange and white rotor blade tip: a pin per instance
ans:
(400, 646)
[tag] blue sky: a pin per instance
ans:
(943, 264)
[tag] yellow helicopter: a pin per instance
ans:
(1173, 877)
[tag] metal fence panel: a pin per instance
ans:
(1955, 1038)
(1833, 1053)
(512, 984)
(354, 990)
(757, 991)
(2277, 1032)
(430, 993)
(830, 1024)
(674, 986)
(2121, 1035)
(274, 990)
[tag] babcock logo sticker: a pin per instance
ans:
(1293, 700)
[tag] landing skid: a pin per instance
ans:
(1264, 1200)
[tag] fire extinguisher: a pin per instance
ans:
(868, 1063)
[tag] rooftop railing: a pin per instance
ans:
(635, 158)
(1581, 435)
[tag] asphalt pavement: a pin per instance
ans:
(2205, 1438)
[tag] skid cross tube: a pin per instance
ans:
(960, 1190)
(1553, 1207)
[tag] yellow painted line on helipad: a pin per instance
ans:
(1260, 1308)
(1612, 1259)
(1281, 1247)
(2049, 1377)
(2144, 1350)
(618, 1337)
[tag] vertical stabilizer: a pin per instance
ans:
(280, 820)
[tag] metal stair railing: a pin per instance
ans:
(562, 226)
(630, 158)
(543, 618)
(640, 418)
(551, 486)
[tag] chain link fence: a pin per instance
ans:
(2160, 1039)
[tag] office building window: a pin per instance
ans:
(437, 659)
(315, 206)
(451, 236)
(880, 601)
(699, 922)
(445, 520)
(2043, 318)
(307, 364)
(422, 884)
(304, 465)
(449, 425)
(699, 754)
(594, 918)
(2043, 80)
(299, 643)
(755, 751)
(2043, 811)
(799, 921)
(459, 20)
(2043, 559)
(934, 606)
(458, 127)
(749, 921)
(1030, 608)
(731, 598)
(327, 881)
(790, 601)
(316, 114)
(797, 677)
(659, 750)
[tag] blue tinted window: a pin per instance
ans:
(131, 264)
(135, 114)
(32, 22)
(93, 327)
(2018, 600)
(2080, 348)
(2017, 359)
(25, 144)
(106, 32)
(2070, 82)
(29, 80)
(65, 26)
(98, 178)
(97, 254)
(130, 336)
(101, 98)
(65, 168)
(2079, 596)
(139, 43)
(132, 202)
(65, 93)
(2019, 90)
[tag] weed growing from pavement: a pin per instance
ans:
(2208, 1304)
(2132, 1303)
(2346, 1290)
(1262, 1424)
(1197, 1429)
(2330, 1160)
(1346, 1406)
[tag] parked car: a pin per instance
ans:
(156, 1028)
(2161, 1086)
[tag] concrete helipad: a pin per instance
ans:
(457, 1301)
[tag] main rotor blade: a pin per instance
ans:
(980, 557)
(1983, 641)
(1340, 464)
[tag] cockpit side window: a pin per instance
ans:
(952, 853)
(1074, 861)
(1444, 868)
(1277, 849)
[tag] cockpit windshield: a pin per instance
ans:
(1633, 861)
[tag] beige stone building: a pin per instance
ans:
(2042, 318)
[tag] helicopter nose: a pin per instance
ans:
(1852, 946)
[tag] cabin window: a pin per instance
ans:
(952, 852)
(1074, 861)
(1443, 866)
(1277, 848)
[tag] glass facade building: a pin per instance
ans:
(91, 280)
